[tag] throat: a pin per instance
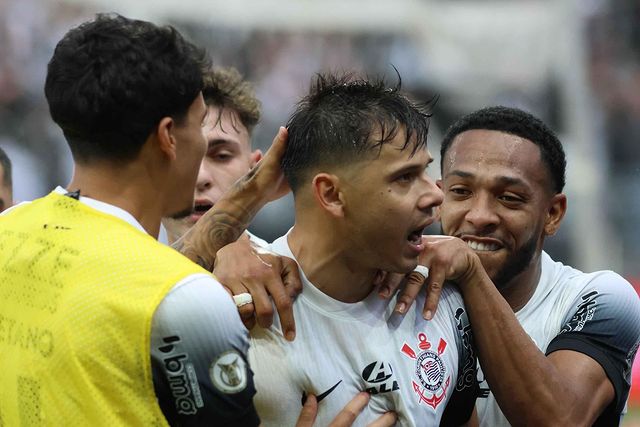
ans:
(332, 271)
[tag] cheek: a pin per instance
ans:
(450, 216)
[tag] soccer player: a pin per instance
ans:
(99, 323)
(555, 344)
(6, 187)
(356, 161)
(232, 112)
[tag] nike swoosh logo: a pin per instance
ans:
(321, 395)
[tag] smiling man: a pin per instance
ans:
(555, 344)
(356, 161)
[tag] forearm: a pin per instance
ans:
(223, 223)
(525, 383)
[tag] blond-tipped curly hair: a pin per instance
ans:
(225, 88)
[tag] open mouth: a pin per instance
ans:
(415, 237)
(201, 208)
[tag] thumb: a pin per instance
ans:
(278, 147)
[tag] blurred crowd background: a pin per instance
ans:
(573, 63)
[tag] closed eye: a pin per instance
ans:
(405, 177)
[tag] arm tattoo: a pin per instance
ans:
(217, 228)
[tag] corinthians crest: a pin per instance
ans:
(431, 385)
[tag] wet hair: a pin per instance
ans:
(344, 118)
(5, 162)
(226, 89)
(519, 123)
(111, 80)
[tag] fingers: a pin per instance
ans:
(415, 281)
(388, 419)
(268, 171)
(283, 296)
(434, 289)
(291, 277)
(247, 315)
(308, 412)
(349, 413)
(347, 416)
(389, 284)
(284, 306)
(262, 301)
(278, 146)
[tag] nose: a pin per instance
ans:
(481, 213)
(432, 196)
(205, 180)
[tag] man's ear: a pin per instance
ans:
(326, 190)
(166, 141)
(557, 209)
(256, 156)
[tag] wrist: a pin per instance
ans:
(474, 274)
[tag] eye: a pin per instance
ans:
(221, 155)
(511, 199)
(405, 177)
(459, 191)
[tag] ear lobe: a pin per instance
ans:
(555, 214)
(166, 141)
(326, 190)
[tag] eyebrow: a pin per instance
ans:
(503, 179)
(221, 141)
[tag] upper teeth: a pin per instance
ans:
(476, 246)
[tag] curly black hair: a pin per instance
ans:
(519, 123)
(111, 80)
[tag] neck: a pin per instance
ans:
(329, 263)
(125, 186)
(519, 290)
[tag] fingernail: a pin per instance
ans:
(427, 315)
(401, 307)
(291, 335)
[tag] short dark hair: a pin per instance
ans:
(225, 88)
(336, 122)
(5, 162)
(519, 123)
(111, 80)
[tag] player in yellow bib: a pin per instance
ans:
(92, 307)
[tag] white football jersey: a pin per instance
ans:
(597, 314)
(409, 365)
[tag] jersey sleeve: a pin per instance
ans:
(462, 402)
(199, 357)
(604, 324)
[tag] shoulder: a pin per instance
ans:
(607, 292)
(199, 290)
